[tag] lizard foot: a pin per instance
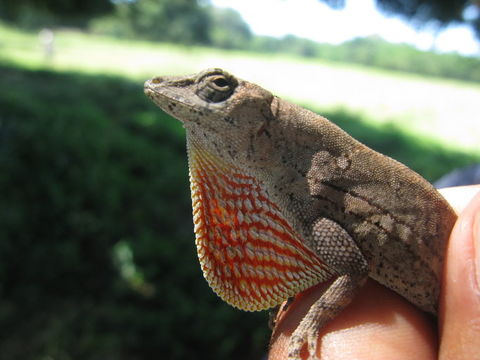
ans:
(333, 300)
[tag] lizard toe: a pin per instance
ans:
(297, 342)
(312, 346)
(295, 347)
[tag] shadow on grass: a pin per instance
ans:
(96, 245)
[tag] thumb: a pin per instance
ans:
(460, 298)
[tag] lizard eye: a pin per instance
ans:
(216, 87)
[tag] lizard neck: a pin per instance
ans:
(249, 253)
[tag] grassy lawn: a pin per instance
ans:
(443, 109)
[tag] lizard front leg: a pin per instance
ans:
(335, 246)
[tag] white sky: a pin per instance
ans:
(315, 20)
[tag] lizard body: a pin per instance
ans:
(284, 199)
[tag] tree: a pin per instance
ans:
(419, 12)
(57, 11)
(229, 30)
(442, 12)
(180, 21)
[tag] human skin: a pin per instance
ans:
(379, 324)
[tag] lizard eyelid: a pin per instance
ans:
(216, 88)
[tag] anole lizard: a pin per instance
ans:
(283, 199)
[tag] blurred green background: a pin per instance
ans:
(97, 257)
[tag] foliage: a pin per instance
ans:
(97, 259)
(180, 21)
(375, 52)
(185, 22)
(37, 13)
(442, 12)
(228, 30)
(29, 12)
(420, 12)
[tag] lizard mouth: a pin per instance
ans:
(250, 255)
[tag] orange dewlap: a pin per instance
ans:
(249, 253)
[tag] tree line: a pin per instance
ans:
(375, 52)
(188, 22)
(198, 22)
(440, 12)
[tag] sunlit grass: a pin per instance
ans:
(437, 108)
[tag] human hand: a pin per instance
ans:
(380, 324)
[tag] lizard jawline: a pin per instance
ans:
(249, 254)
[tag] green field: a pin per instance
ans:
(97, 255)
(443, 109)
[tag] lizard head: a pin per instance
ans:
(249, 251)
(222, 114)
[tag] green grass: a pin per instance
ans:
(441, 109)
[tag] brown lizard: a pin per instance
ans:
(283, 199)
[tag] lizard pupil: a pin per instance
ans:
(221, 82)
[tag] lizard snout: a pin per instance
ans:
(149, 85)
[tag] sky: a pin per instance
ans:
(314, 20)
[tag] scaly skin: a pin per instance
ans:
(284, 199)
